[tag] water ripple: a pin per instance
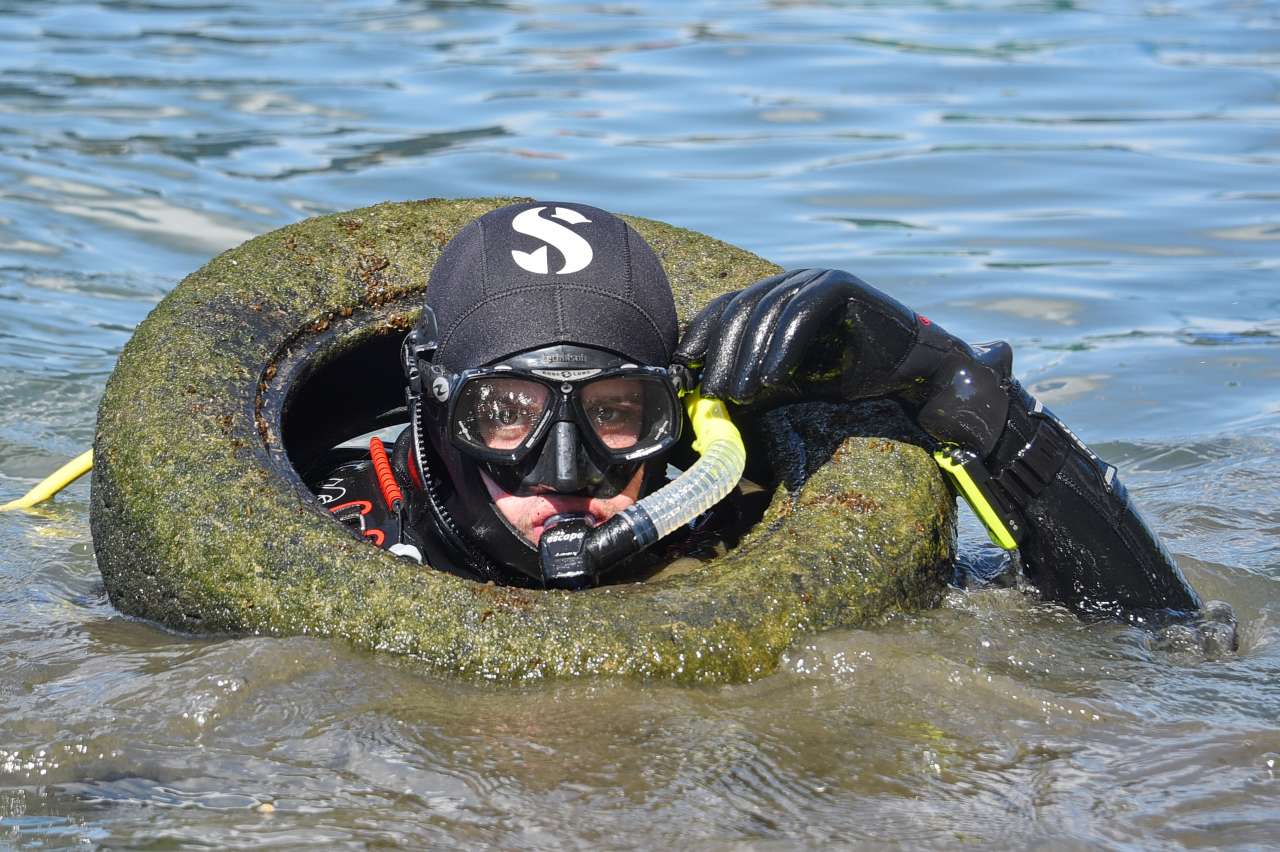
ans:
(1094, 182)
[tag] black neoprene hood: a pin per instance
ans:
(545, 272)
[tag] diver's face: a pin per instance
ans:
(528, 514)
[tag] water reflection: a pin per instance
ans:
(1095, 183)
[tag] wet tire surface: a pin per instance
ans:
(200, 523)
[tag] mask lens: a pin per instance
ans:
(499, 413)
(628, 412)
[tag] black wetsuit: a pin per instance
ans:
(352, 494)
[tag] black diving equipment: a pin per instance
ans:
(573, 555)
(805, 334)
(1065, 494)
(827, 334)
(560, 551)
(815, 333)
(501, 287)
(573, 419)
(564, 416)
(473, 419)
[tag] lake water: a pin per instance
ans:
(1096, 182)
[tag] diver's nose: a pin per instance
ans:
(568, 473)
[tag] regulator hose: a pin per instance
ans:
(573, 553)
(54, 482)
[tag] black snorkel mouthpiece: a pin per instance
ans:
(562, 552)
(573, 553)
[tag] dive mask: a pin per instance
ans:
(568, 418)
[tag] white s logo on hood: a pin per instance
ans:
(577, 251)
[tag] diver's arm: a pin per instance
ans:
(826, 334)
(1080, 538)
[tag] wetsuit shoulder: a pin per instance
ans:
(352, 493)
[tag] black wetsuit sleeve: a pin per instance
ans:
(1083, 541)
(826, 334)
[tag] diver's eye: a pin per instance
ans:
(615, 411)
(511, 412)
(618, 423)
(603, 415)
(508, 415)
(499, 413)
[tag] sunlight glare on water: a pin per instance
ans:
(1095, 182)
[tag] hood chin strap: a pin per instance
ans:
(415, 354)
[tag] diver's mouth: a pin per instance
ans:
(593, 520)
(539, 506)
(558, 505)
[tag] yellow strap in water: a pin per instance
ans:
(55, 482)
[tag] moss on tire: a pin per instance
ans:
(200, 524)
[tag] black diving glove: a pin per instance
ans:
(826, 334)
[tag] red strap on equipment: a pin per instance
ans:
(391, 492)
(365, 506)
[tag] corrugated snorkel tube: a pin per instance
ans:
(573, 554)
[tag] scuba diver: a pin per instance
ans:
(544, 382)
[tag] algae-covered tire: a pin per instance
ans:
(201, 521)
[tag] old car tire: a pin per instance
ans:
(201, 521)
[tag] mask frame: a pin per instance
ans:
(565, 403)
(563, 436)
